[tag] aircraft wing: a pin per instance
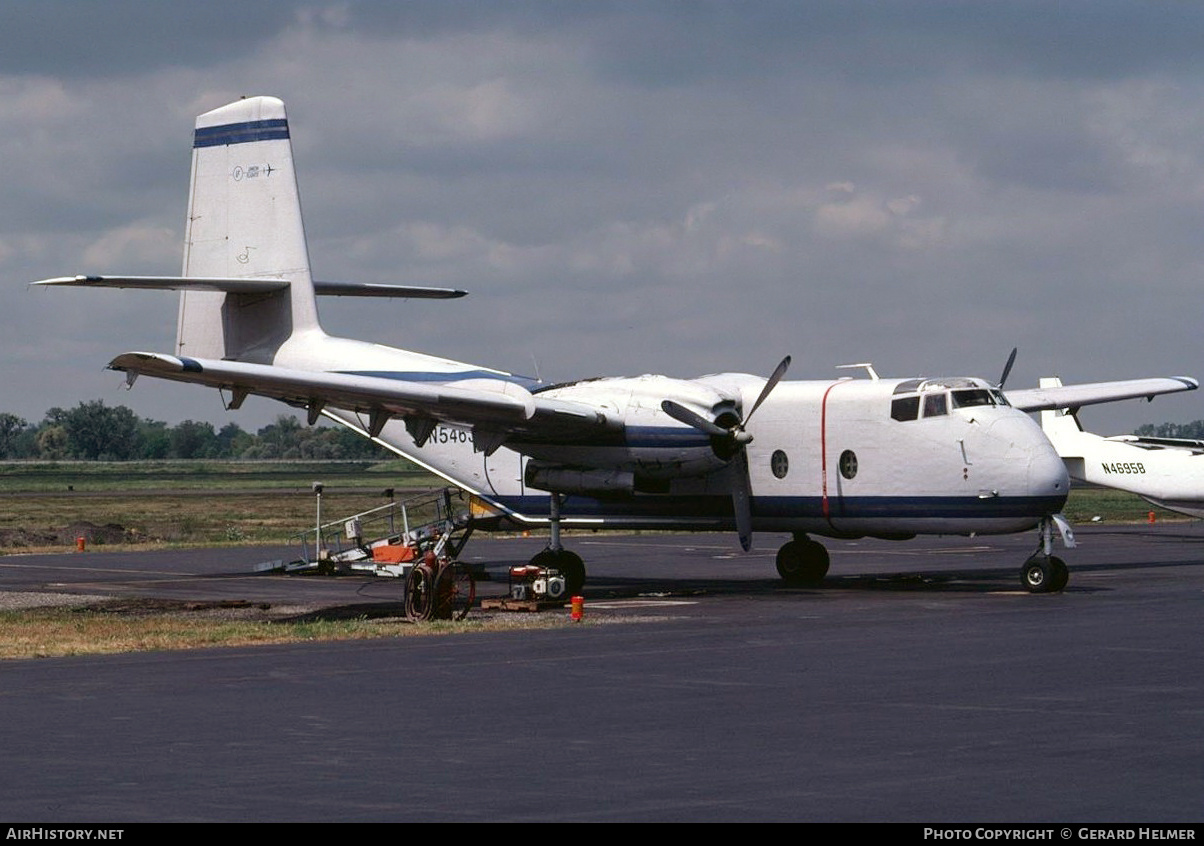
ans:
(1076, 396)
(1196, 447)
(493, 408)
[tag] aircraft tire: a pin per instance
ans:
(1059, 574)
(802, 563)
(1044, 575)
(568, 563)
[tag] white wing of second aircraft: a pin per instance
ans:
(1196, 447)
(1076, 396)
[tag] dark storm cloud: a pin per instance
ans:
(83, 38)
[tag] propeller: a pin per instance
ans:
(1007, 368)
(729, 442)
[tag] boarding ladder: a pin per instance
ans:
(389, 539)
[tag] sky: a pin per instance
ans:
(633, 187)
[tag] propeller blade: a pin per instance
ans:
(772, 383)
(742, 498)
(1007, 368)
(684, 415)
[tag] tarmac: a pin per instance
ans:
(918, 684)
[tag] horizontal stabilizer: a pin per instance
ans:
(1076, 396)
(253, 286)
(373, 289)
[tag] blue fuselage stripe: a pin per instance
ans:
(241, 133)
(719, 507)
(454, 376)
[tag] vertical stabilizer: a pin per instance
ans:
(244, 221)
(1060, 425)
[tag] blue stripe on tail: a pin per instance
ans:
(241, 133)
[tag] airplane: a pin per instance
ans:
(1166, 472)
(842, 457)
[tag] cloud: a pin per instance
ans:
(635, 187)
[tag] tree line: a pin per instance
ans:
(97, 432)
(1193, 430)
(93, 431)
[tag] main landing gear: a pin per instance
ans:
(1044, 572)
(802, 562)
(556, 557)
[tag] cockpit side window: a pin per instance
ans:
(935, 405)
(905, 408)
(972, 398)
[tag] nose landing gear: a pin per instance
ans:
(1044, 572)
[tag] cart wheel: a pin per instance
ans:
(420, 593)
(455, 591)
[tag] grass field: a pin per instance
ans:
(46, 505)
(113, 627)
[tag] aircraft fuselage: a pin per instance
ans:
(846, 457)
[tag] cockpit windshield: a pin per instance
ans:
(969, 399)
(936, 397)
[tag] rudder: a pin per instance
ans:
(1059, 425)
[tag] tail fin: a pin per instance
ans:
(244, 221)
(1060, 423)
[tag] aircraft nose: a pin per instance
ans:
(1027, 444)
(1047, 475)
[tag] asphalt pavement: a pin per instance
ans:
(919, 684)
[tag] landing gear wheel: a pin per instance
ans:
(420, 593)
(1059, 574)
(455, 592)
(568, 563)
(802, 563)
(1044, 575)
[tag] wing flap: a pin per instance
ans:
(1076, 396)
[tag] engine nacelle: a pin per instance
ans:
(570, 480)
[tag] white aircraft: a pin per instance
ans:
(1168, 472)
(888, 458)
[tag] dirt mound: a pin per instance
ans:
(24, 538)
(93, 535)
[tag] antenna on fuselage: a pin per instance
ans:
(869, 367)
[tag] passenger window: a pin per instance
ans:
(935, 405)
(905, 408)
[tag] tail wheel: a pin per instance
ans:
(455, 592)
